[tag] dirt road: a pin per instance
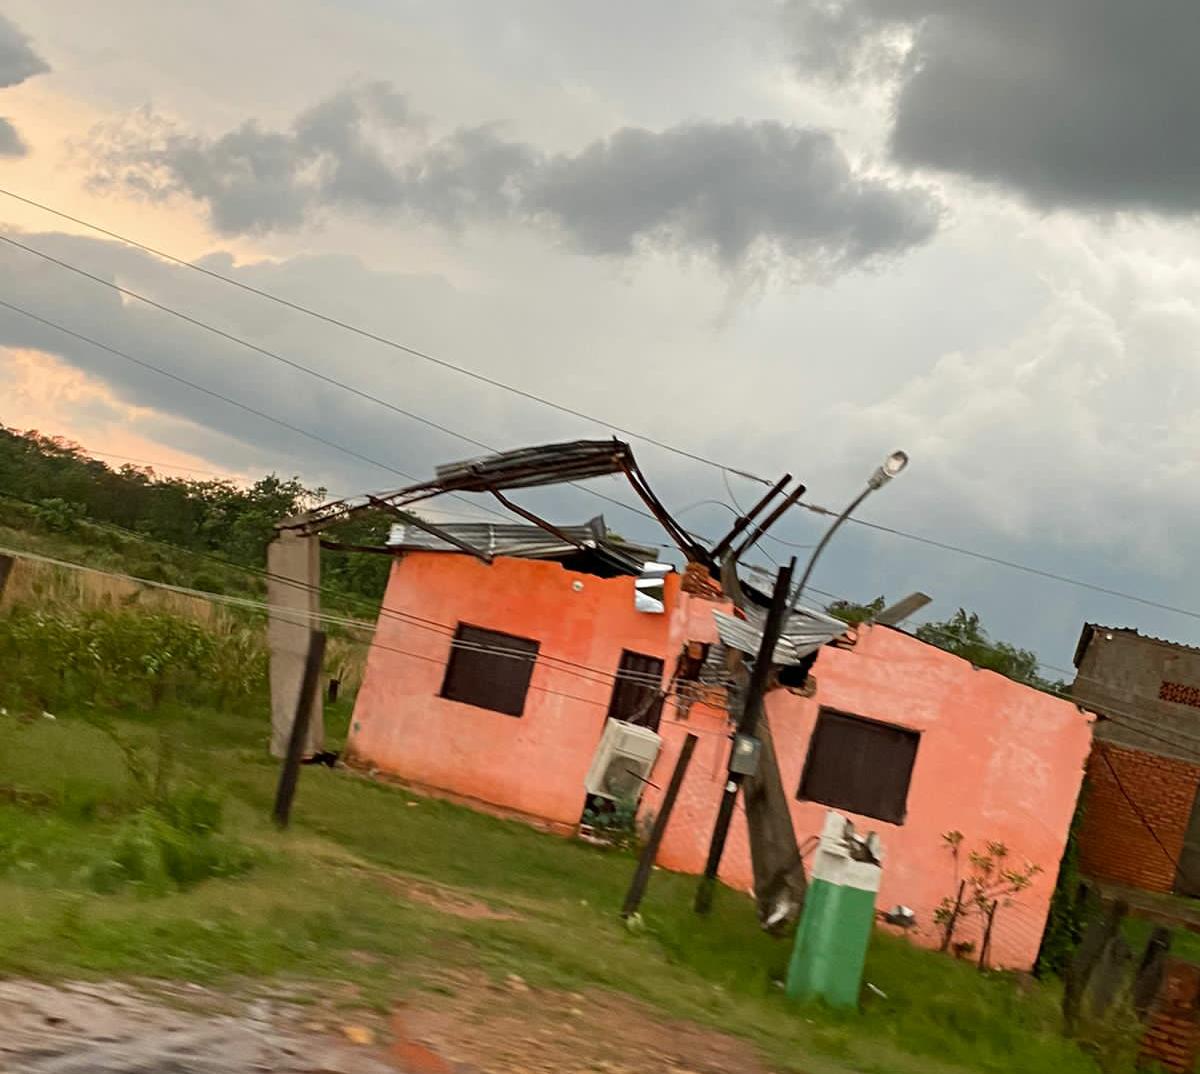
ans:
(468, 1025)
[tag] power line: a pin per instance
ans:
(725, 469)
(562, 665)
(1011, 564)
(1143, 819)
(150, 462)
(224, 398)
(200, 388)
(740, 512)
(298, 366)
(386, 341)
(382, 610)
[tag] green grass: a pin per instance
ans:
(322, 893)
(1185, 944)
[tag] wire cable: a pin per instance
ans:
(553, 663)
(386, 341)
(1010, 564)
(298, 366)
(724, 468)
(229, 400)
(1137, 812)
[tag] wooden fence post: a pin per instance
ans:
(290, 772)
(953, 919)
(985, 948)
(641, 875)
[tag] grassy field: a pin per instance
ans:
(307, 903)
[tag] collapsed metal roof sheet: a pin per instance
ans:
(804, 632)
(527, 542)
(545, 464)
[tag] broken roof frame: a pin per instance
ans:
(531, 467)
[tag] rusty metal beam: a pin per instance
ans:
(430, 527)
(537, 520)
(694, 552)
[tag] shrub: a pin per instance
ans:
(170, 847)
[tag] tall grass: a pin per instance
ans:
(124, 658)
(236, 636)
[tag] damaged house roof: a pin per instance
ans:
(803, 633)
(588, 547)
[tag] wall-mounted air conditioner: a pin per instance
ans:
(622, 761)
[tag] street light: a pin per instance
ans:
(891, 466)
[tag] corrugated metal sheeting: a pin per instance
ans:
(524, 541)
(803, 633)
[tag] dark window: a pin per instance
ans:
(489, 669)
(637, 691)
(859, 765)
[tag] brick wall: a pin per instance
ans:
(1114, 844)
(1172, 1035)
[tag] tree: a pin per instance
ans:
(61, 487)
(963, 635)
(849, 612)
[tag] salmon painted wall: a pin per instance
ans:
(996, 760)
(535, 763)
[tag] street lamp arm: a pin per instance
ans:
(812, 560)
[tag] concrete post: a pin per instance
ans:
(294, 567)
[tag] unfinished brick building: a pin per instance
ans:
(1141, 825)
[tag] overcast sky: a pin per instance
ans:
(782, 234)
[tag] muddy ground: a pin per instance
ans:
(469, 1025)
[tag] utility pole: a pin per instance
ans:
(745, 747)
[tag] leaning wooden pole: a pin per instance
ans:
(747, 725)
(641, 875)
(289, 774)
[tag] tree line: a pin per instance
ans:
(63, 486)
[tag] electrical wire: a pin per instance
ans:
(552, 663)
(384, 340)
(1137, 812)
(1010, 564)
(300, 367)
(229, 400)
(724, 468)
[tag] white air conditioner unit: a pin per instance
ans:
(622, 762)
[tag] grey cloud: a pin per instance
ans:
(724, 188)
(729, 191)
(11, 143)
(257, 180)
(1090, 103)
(18, 62)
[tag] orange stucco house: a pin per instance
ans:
(492, 683)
